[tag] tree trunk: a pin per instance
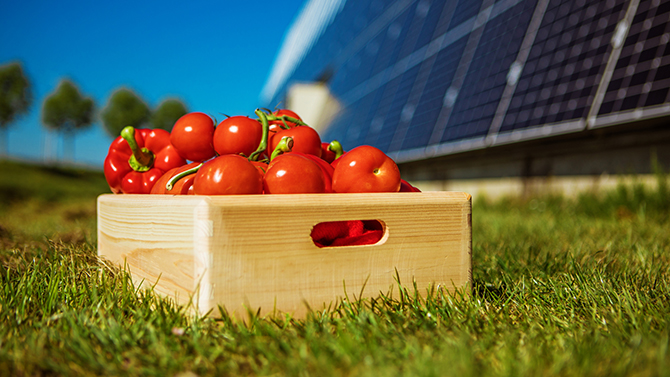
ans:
(68, 146)
(4, 134)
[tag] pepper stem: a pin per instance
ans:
(170, 184)
(264, 138)
(142, 158)
(285, 145)
(336, 148)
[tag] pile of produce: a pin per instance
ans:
(275, 154)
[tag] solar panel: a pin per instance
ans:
(428, 14)
(441, 69)
(641, 77)
(425, 78)
(561, 75)
(394, 114)
(464, 10)
(486, 77)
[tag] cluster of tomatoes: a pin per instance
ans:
(274, 154)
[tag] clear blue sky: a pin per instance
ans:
(213, 55)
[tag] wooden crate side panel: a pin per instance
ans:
(260, 253)
(466, 244)
(153, 238)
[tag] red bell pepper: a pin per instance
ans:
(407, 187)
(138, 158)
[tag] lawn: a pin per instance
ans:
(562, 286)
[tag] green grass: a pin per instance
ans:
(561, 287)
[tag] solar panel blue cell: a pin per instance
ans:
(376, 8)
(356, 127)
(464, 10)
(485, 81)
(442, 68)
(397, 111)
(637, 79)
(390, 42)
(373, 116)
(378, 123)
(566, 62)
(429, 13)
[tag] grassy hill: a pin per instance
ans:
(41, 202)
(561, 287)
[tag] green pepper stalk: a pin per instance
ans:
(142, 159)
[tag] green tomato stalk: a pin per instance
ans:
(170, 184)
(336, 148)
(264, 138)
(285, 145)
(286, 118)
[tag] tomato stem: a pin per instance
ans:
(170, 184)
(142, 159)
(264, 135)
(336, 148)
(286, 118)
(285, 145)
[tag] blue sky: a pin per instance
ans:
(213, 55)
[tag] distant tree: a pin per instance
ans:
(15, 98)
(167, 113)
(124, 108)
(67, 111)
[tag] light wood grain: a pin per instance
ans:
(152, 236)
(256, 251)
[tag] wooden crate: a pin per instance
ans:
(256, 251)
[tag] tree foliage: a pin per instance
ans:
(67, 111)
(125, 108)
(15, 93)
(167, 113)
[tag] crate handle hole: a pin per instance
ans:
(349, 233)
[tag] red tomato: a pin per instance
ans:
(182, 187)
(229, 174)
(337, 161)
(261, 166)
(326, 169)
(237, 134)
(293, 174)
(305, 140)
(366, 169)
(192, 136)
(278, 125)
